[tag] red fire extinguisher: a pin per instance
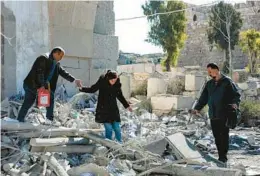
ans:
(44, 97)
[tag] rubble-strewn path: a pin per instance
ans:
(74, 144)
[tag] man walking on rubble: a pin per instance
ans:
(221, 94)
(44, 74)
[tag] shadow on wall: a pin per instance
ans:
(8, 54)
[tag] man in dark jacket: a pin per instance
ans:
(219, 93)
(44, 74)
(107, 111)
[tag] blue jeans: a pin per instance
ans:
(29, 99)
(109, 127)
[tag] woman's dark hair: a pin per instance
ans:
(111, 75)
(213, 66)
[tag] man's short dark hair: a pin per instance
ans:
(58, 49)
(213, 66)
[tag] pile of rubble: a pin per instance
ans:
(74, 144)
(159, 137)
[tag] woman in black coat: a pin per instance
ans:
(107, 111)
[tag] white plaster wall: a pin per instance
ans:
(31, 34)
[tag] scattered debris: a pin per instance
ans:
(74, 144)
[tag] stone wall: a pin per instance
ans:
(28, 30)
(196, 50)
(85, 29)
(139, 68)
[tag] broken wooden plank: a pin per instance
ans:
(183, 148)
(66, 149)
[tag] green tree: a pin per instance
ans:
(224, 25)
(250, 43)
(166, 30)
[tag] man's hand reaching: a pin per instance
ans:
(78, 83)
(194, 111)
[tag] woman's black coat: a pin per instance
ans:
(107, 110)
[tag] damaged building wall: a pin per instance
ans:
(71, 26)
(196, 50)
(84, 29)
(29, 32)
(105, 44)
(90, 44)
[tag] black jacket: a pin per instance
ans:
(218, 96)
(107, 110)
(40, 71)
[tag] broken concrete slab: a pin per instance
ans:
(88, 168)
(46, 142)
(157, 147)
(183, 170)
(126, 88)
(242, 86)
(167, 103)
(183, 148)
(66, 149)
(194, 82)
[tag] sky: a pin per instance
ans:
(132, 33)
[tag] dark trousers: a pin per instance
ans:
(221, 135)
(29, 99)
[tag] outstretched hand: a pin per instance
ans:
(194, 111)
(130, 109)
(78, 83)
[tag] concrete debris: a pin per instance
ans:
(121, 168)
(153, 143)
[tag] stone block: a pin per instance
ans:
(84, 14)
(103, 64)
(194, 82)
(138, 68)
(105, 47)
(156, 86)
(126, 89)
(193, 94)
(105, 18)
(183, 148)
(61, 12)
(251, 92)
(242, 86)
(77, 14)
(76, 42)
(166, 103)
